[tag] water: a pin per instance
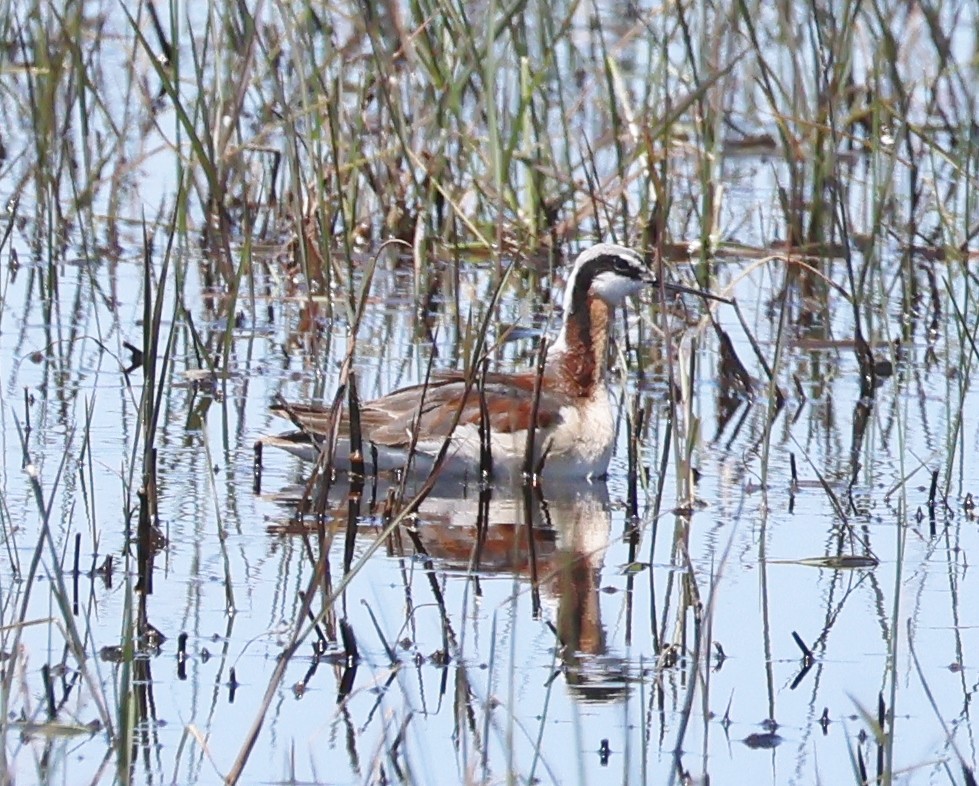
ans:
(578, 644)
(231, 580)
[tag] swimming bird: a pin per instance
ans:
(575, 428)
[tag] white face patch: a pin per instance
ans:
(610, 286)
(614, 288)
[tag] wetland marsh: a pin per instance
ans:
(212, 206)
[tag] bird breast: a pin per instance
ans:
(581, 444)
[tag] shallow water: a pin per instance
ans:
(510, 698)
(578, 642)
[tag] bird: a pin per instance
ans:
(575, 425)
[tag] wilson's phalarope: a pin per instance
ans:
(575, 426)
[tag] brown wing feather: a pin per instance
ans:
(509, 404)
(312, 417)
(387, 420)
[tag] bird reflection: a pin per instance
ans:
(555, 538)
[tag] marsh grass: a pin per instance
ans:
(252, 154)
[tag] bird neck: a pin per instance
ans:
(582, 348)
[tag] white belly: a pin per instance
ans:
(579, 446)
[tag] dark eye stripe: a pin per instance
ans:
(605, 263)
(615, 264)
